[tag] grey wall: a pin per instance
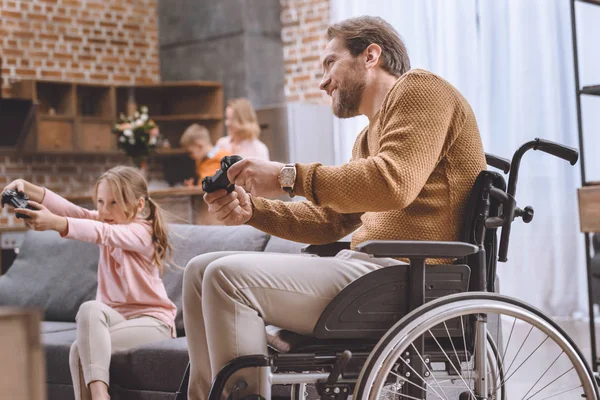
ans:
(236, 42)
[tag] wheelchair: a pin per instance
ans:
(419, 331)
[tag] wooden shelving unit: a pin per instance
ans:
(176, 105)
(78, 117)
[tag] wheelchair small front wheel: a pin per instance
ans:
(441, 350)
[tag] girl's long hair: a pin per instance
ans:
(128, 186)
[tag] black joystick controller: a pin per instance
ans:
(17, 200)
(219, 180)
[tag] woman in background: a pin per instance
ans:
(242, 131)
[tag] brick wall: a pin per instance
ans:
(102, 41)
(304, 25)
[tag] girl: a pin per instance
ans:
(242, 131)
(131, 306)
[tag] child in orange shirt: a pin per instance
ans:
(196, 141)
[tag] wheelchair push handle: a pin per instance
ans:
(509, 204)
(558, 150)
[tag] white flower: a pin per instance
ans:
(128, 132)
(152, 141)
(144, 109)
(139, 122)
(136, 115)
(144, 117)
(131, 140)
(122, 139)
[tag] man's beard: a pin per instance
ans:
(349, 95)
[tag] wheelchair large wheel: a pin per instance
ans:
(532, 345)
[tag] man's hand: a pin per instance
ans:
(234, 208)
(259, 177)
(42, 219)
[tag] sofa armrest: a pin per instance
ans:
(326, 250)
(417, 249)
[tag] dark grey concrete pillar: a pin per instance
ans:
(236, 42)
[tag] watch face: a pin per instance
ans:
(288, 177)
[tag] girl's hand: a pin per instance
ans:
(42, 219)
(35, 193)
(17, 185)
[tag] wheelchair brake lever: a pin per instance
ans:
(330, 389)
(339, 367)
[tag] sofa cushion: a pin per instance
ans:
(279, 245)
(52, 274)
(189, 241)
(146, 367)
(53, 326)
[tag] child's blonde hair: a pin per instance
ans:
(128, 186)
(245, 116)
(194, 133)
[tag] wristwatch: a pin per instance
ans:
(287, 178)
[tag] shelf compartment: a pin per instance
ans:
(96, 136)
(55, 135)
(55, 96)
(95, 101)
(170, 99)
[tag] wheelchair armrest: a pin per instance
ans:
(416, 249)
(326, 250)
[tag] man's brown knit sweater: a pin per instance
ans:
(409, 178)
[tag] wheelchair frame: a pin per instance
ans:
(363, 312)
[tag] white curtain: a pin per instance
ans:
(513, 62)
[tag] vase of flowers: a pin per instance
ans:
(138, 136)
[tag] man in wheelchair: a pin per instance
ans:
(409, 178)
(411, 175)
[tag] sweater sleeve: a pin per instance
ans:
(302, 221)
(131, 237)
(63, 207)
(420, 111)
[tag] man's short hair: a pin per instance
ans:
(358, 33)
(194, 133)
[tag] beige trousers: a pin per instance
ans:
(229, 297)
(102, 331)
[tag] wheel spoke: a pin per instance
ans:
(519, 351)
(545, 372)
(551, 382)
(451, 363)
(524, 361)
(563, 392)
(422, 379)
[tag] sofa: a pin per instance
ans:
(57, 275)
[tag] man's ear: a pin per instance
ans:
(372, 55)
